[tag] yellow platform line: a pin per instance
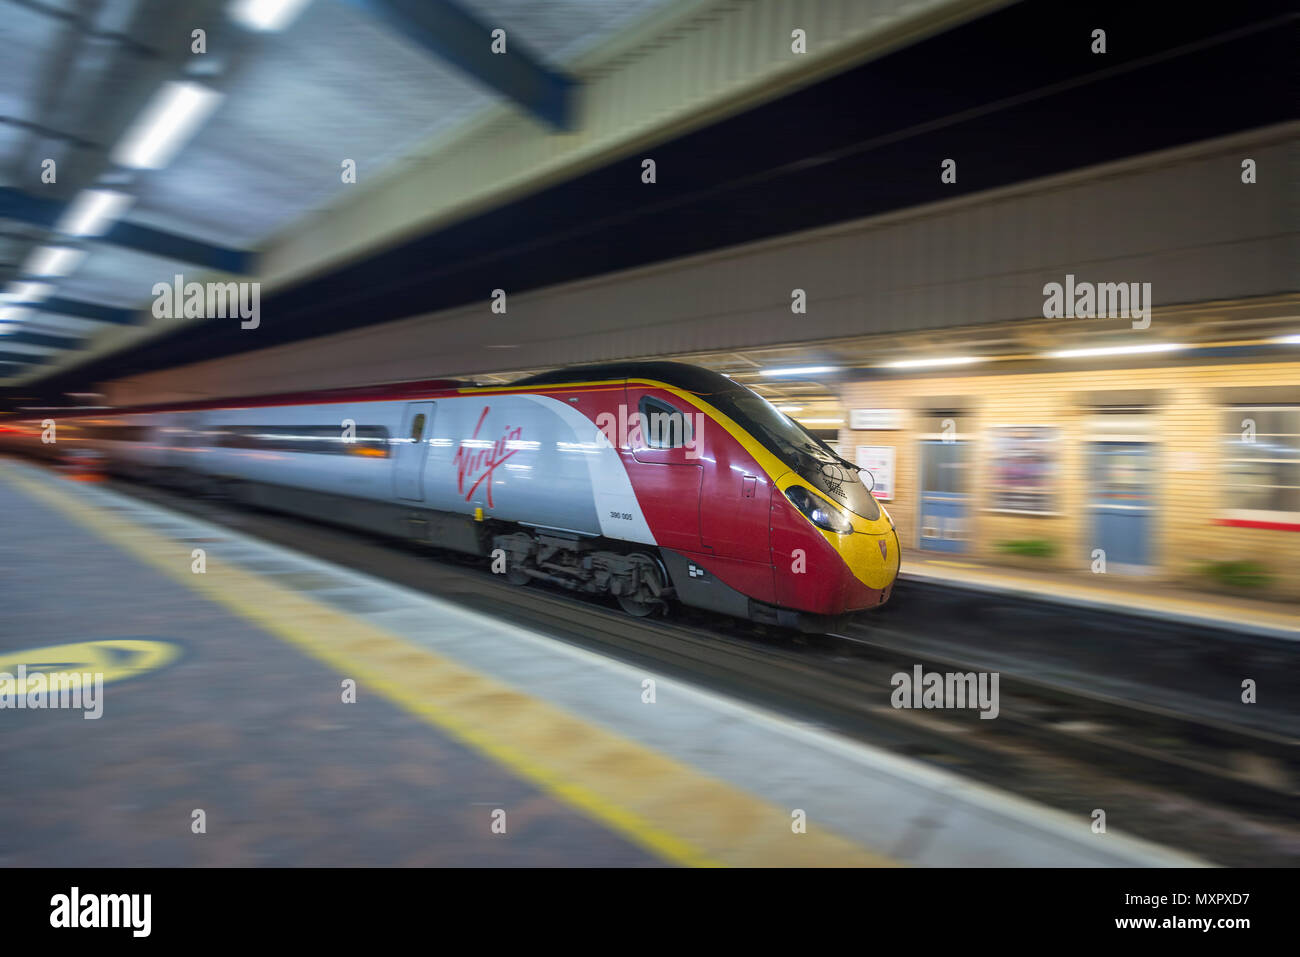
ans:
(665, 806)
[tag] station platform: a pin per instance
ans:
(1147, 599)
(470, 742)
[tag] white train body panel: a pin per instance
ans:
(520, 458)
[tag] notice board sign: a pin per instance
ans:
(876, 419)
(879, 461)
(1025, 462)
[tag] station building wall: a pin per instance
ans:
(1187, 416)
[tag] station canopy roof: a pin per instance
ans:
(255, 118)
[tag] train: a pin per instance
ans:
(654, 483)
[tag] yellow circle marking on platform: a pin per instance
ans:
(115, 658)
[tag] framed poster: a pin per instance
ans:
(1024, 464)
(879, 461)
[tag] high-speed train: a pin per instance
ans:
(653, 482)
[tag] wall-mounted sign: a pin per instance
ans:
(879, 461)
(1024, 461)
(880, 419)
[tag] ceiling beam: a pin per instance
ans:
(451, 33)
(43, 212)
(22, 357)
(85, 310)
(41, 339)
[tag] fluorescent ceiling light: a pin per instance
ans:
(1288, 340)
(799, 370)
(14, 314)
(822, 421)
(266, 15)
(91, 213)
(1116, 350)
(28, 291)
(52, 261)
(946, 361)
(790, 408)
(167, 123)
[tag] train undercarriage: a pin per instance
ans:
(638, 579)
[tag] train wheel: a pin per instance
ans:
(635, 608)
(643, 601)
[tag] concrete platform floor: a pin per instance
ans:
(231, 701)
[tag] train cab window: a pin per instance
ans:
(417, 428)
(662, 426)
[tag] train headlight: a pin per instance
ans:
(818, 511)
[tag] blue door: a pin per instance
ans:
(1122, 505)
(944, 498)
(410, 448)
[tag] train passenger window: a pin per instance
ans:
(417, 428)
(114, 433)
(662, 426)
(369, 441)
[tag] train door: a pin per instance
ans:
(1121, 496)
(736, 520)
(410, 449)
(945, 496)
(665, 472)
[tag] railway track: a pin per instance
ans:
(1209, 756)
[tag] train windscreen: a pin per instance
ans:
(798, 448)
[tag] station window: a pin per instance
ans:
(1262, 457)
(662, 426)
(369, 441)
(943, 467)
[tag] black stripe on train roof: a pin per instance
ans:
(680, 374)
